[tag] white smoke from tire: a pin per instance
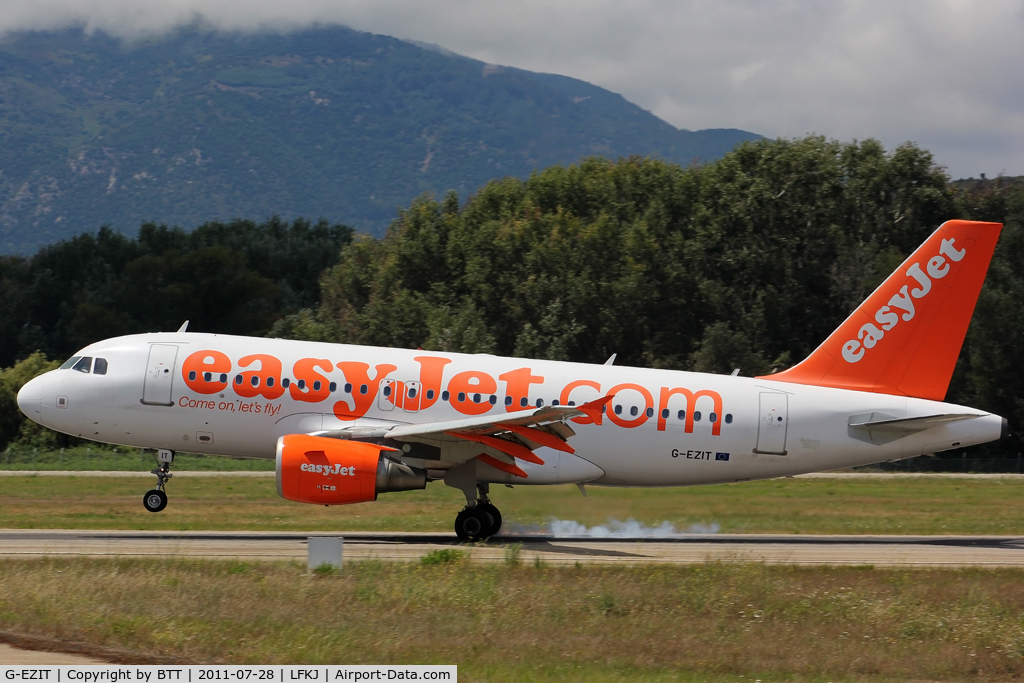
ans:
(567, 528)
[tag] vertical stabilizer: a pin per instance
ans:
(905, 338)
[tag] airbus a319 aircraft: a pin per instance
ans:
(346, 423)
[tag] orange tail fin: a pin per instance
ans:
(905, 338)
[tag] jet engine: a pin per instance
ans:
(324, 471)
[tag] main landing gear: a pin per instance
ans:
(156, 500)
(478, 520)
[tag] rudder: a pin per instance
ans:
(905, 338)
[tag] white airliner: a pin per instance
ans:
(346, 423)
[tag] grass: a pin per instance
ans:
(443, 556)
(120, 459)
(807, 506)
(713, 622)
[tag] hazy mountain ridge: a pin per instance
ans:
(200, 125)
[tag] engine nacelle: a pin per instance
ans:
(316, 469)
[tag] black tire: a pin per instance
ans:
(154, 500)
(472, 524)
(495, 516)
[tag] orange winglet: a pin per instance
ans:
(506, 447)
(595, 409)
(503, 466)
(541, 437)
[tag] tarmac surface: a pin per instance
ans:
(14, 656)
(879, 551)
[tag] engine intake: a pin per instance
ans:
(316, 469)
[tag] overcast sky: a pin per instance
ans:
(947, 74)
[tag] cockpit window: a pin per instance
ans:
(100, 366)
(70, 362)
(83, 365)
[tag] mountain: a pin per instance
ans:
(198, 125)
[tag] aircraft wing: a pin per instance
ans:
(500, 440)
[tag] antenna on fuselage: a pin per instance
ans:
(184, 327)
(611, 359)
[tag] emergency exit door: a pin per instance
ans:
(159, 375)
(771, 429)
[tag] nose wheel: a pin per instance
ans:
(478, 520)
(156, 499)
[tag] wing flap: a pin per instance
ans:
(491, 424)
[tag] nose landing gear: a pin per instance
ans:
(156, 500)
(479, 519)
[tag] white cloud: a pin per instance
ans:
(943, 73)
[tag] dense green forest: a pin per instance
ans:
(747, 262)
(199, 124)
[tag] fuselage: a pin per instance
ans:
(235, 396)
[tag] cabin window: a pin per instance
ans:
(555, 402)
(572, 403)
(477, 398)
(523, 401)
(696, 416)
(650, 412)
(255, 381)
(430, 394)
(540, 402)
(207, 376)
(316, 385)
(348, 388)
(192, 375)
(332, 387)
(224, 377)
(286, 382)
(445, 395)
(100, 366)
(84, 365)
(713, 417)
(69, 363)
(302, 384)
(493, 399)
(387, 389)
(681, 415)
(508, 400)
(462, 396)
(664, 413)
(412, 392)
(728, 418)
(618, 410)
(633, 411)
(363, 388)
(238, 379)
(270, 381)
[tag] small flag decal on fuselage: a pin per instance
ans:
(721, 456)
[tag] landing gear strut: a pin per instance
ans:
(156, 500)
(479, 519)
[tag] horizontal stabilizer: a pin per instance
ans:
(877, 422)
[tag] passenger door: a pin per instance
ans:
(159, 375)
(772, 426)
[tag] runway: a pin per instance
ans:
(879, 551)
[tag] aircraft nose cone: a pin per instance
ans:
(30, 398)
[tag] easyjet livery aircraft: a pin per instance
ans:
(346, 423)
